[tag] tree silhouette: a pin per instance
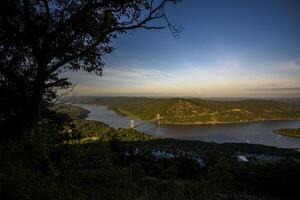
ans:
(40, 39)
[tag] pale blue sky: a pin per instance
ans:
(227, 48)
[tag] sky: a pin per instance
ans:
(227, 48)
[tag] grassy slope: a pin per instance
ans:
(197, 110)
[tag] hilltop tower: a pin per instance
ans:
(158, 118)
(132, 124)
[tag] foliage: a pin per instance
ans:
(74, 112)
(120, 164)
(40, 40)
(110, 168)
(79, 130)
(85, 129)
(181, 111)
(288, 132)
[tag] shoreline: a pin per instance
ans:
(220, 123)
(289, 132)
(128, 114)
(123, 113)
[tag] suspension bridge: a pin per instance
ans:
(157, 120)
(160, 120)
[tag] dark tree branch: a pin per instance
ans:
(70, 58)
(40, 37)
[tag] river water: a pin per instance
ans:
(257, 132)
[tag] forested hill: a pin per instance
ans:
(195, 110)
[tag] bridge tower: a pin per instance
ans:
(131, 123)
(158, 118)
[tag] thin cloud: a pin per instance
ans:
(290, 66)
(285, 89)
(228, 77)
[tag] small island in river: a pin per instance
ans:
(291, 132)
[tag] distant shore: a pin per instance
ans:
(288, 132)
(133, 116)
(193, 111)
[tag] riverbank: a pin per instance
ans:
(128, 114)
(187, 111)
(254, 133)
(288, 132)
(88, 159)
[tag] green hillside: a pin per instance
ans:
(74, 112)
(197, 111)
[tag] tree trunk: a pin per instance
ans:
(23, 112)
(34, 112)
(36, 100)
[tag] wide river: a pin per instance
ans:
(257, 132)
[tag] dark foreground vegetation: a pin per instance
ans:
(40, 40)
(288, 132)
(197, 111)
(46, 154)
(63, 162)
